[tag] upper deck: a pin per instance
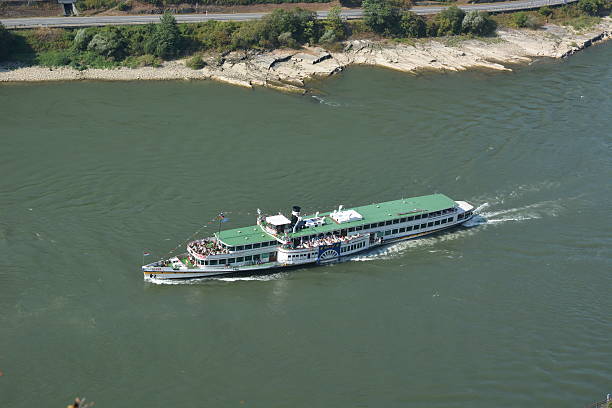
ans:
(372, 213)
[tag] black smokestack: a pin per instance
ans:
(294, 215)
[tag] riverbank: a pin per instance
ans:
(289, 69)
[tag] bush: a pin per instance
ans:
(109, 42)
(286, 39)
(381, 16)
(53, 58)
(82, 39)
(449, 21)
(413, 25)
(591, 7)
(97, 4)
(6, 41)
(328, 37)
(334, 23)
(47, 39)
(215, 35)
(195, 62)
(281, 27)
(520, 19)
(478, 23)
(545, 11)
(124, 6)
(146, 60)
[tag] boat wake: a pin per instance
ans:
(493, 211)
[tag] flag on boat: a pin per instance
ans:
(146, 253)
(222, 218)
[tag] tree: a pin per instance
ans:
(6, 40)
(413, 25)
(478, 23)
(381, 16)
(520, 19)
(165, 41)
(449, 21)
(334, 23)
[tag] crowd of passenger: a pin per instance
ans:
(205, 248)
(329, 240)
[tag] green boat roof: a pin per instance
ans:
(244, 236)
(371, 213)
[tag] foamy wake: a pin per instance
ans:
(493, 211)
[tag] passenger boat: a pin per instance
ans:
(277, 242)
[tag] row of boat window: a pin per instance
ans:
(418, 226)
(229, 261)
(296, 256)
(395, 221)
(353, 247)
(464, 215)
(253, 246)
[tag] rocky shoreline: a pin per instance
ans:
(288, 69)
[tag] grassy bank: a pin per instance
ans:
(149, 45)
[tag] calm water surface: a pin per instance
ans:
(516, 312)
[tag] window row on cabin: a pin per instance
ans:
(301, 256)
(384, 223)
(251, 246)
(353, 247)
(239, 259)
(418, 226)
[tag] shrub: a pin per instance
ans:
(334, 23)
(97, 4)
(381, 16)
(413, 25)
(545, 11)
(146, 60)
(209, 35)
(449, 21)
(478, 23)
(124, 6)
(281, 27)
(82, 39)
(6, 41)
(520, 19)
(46, 39)
(328, 37)
(287, 39)
(591, 7)
(195, 62)
(109, 42)
(54, 58)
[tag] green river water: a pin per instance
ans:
(515, 312)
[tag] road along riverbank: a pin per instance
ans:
(289, 69)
